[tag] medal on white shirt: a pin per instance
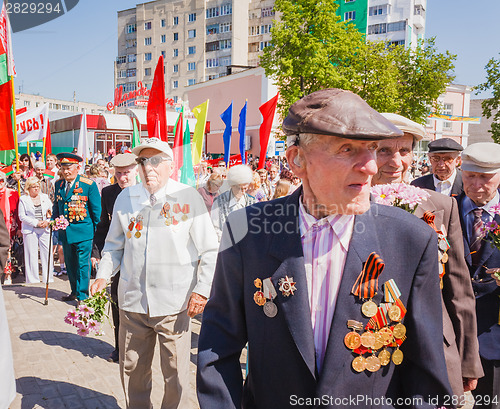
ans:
(130, 227)
(138, 226)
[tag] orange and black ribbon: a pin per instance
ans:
(366, 284)
(429, 217)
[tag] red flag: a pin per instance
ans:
(6, 124)
(267, 110)
(156, 103)
(178, 140)
(48, 141)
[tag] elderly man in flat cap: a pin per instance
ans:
(163, 243)
(125, 168)
(444, 155)
(461, 349)
(337, 298)
(481, 177)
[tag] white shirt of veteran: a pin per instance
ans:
(168, 268)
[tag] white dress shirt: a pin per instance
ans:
(162, 267)
(444, 186)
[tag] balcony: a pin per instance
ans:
(418, 21)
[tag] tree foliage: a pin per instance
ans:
(492, 104)
(312, 49)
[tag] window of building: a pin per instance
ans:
(191, 81)
(176, 52)
(122, 74)
(131, 72)
(175, 84)
(147, 72)
(164, 54)
(264, 44)
(163, 22)
(192, 17)
(377, 28)
(225, 27)
(223, 44)
(192, 49)
(176, 20)
(213, 29)
(448, 110)
(419, 11)
(148, 56)
(163, 38)
(131, 28)
(267, 12)
(265, 29)
(147, 41)
(212, 46)
(131, 43)
(253, 47)
(397, 42)
(176, 67)
(129, 87)
(147, 25)
(191, 66)
(226, 9)
(121, 59)
(131, 58)
(255, 30)
(192, 33)
(175, 98)
(212, 62)
(379, 10)
(212, 12)
(224, 61)
(397, 26)
(350, 15)
(212, 77)
(176, 36)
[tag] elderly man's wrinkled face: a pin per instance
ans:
(70, 171)
(336, 174)
(394, 157)
(273, 172)
(480, 187)
(155, 168)
(39, 172)
(125, 175)
(443, 164)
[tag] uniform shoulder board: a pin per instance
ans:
(85, 180)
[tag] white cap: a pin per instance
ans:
(154, 143)
(239, 175)
(482, 157)
(406, 125)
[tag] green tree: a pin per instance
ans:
(492, 104)
(312, 49)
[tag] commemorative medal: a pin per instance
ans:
(386, 335)
(397, 357)
(368, 339)
(369, 309)
(394, 313)
(373, 363)
(399, 331)
(385, 357)
(270, 309)
(138, 226)
(379, 341)
(185, 210)
(444, 258)
(259, 299)
(352, 340)
(359, 363)
(287, 286)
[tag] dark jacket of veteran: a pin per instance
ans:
(282, 370)
(461, 348)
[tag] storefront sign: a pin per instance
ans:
(120, 97)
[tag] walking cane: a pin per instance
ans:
(46, 302)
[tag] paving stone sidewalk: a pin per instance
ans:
(56, 368)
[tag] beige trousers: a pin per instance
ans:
(137, 340)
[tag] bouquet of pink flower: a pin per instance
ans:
(402, 195)
(492, 229)
(59, 223)
(89, 315)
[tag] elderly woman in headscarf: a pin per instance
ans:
(239, 178)
(9, 202)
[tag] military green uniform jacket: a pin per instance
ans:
(81, 207)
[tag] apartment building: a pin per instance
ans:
(57, 107)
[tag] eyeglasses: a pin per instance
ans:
(437, 159)
(154, 161)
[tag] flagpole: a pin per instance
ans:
(15, 132)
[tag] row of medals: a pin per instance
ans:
(376, 340)
(169, 219)
(138, 224)
(76, 210)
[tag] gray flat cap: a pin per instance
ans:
(483, 157)
(339, 113)
(123, 159)
(444, 145)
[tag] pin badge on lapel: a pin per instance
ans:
(287, 286)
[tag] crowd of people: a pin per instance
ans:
(334, 295)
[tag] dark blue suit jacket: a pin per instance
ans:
(263, 241)
(486, 291)
(427, 182)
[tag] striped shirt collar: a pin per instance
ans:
(342, 224)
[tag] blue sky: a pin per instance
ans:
(76, 51)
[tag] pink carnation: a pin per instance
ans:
(83, 331)
(85, 310)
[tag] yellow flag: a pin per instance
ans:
(200, 113)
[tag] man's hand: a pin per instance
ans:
(95, 261)
(98, 285)
(196, 304)
(469, 384)
(495, 273)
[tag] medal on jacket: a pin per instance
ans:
(352, 340)
(269, 308)
(366, 284)
(184, 210)
(384, 356)
(130, 227)
(138, 226)
(287, 286)
(373, 363)
(165, 212)
(397, 356)
(258, 296)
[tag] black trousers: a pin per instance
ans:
(114, 306)
(487, 393)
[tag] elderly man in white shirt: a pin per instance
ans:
(163, 242)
